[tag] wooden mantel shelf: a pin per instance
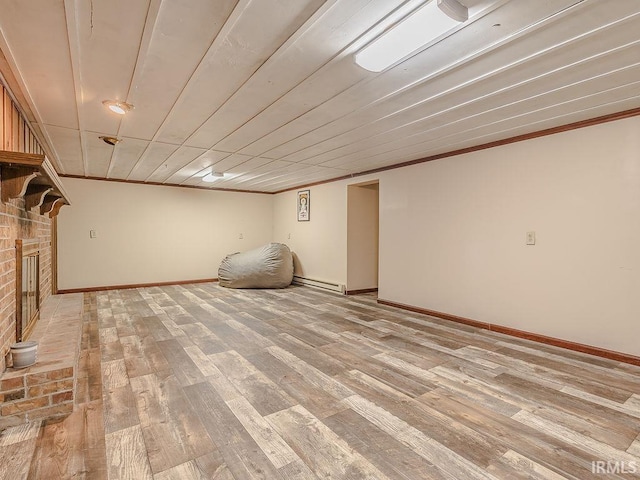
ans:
(33, 177)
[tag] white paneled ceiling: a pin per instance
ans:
(267, 91)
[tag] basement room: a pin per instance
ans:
(319, 239)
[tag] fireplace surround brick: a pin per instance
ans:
(26, 225)
(46, 389)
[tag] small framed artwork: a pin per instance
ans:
(304, 205)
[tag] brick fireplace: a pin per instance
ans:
(31, 195)
(16, 223)
(21, 215)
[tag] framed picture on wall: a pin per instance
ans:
(304, 205)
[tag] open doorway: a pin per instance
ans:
(362, 237)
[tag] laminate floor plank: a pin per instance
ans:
(456, 436)
(512, 465)
(93, 440)
(172, 431)
(119, 409)
(242, 456)
(262, 393)
(634, 448)
(198, 313)
(445, 335)
(633, 402)
(216, 417)
(114, 374)
(573, 437)
(311, 374)
(236, 340)
(207, 467)
(321, 449)
(313, 397)
(569, 357)
(105, 315)
(111, 351)
(247, 462)
(313, 356)
(185, 370)
(172, 327)
(623, 408)
(378, 369)
(250, 336)
(200, 331)
(124, 324)
(127, 455)
(139, 307)
(135, 360)
(275, 449)
(404, 344)
(421, 443)
(204, 382)
(17, 448)
(533, 444)
(300, 332)
(73, 447)
(619, 437)
(208, 343)
(93, 376)
(157, 328)
(420, 375)
(390, 456)
(572, 403)
(590, 381)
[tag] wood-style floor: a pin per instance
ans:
(204, 382)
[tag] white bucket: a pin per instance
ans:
(23, 354)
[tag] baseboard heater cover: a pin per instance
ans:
(309, 282)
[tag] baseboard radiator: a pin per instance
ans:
(308, 282)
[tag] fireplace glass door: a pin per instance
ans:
(28, 287)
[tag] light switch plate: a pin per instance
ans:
(531, 238)
(92, 234)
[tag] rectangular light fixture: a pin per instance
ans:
(418, 29)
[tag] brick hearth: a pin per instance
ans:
(47, 388)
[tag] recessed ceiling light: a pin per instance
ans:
(212, 177)
(118, 107)
(110, 140)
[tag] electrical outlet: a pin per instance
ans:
(241, 237)
(531, 238)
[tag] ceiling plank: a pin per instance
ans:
(268, 90)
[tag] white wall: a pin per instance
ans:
(319, 245)
(150, 234)
(362, 236)
(452, 235)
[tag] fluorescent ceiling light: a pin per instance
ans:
(418, 29)
(212, 177)
(118, 107)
